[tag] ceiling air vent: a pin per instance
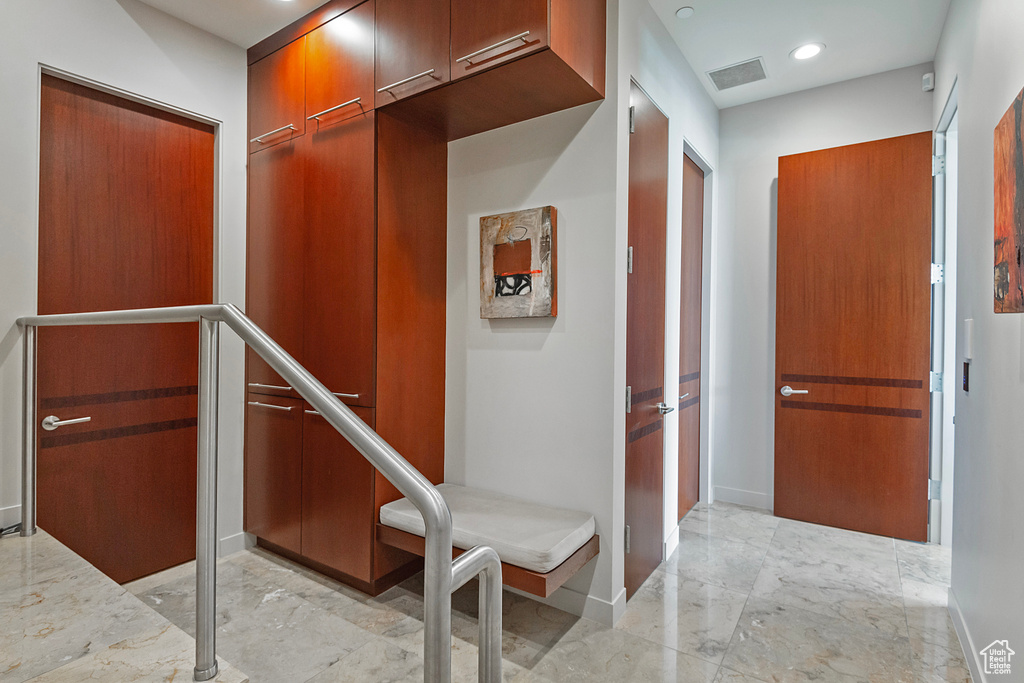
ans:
(738, 74)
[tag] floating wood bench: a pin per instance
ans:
(540, 547)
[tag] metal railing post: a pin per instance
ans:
(206, 503)
(483, 562)
(437, 595)
(28, 433)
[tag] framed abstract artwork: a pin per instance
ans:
(1009, 211)
(518, 277)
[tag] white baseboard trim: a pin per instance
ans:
(754, 499)
(234, 543)
(966, 642)
(582, 605)
(671, 543)
(10, 515)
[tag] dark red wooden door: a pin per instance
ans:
(689, 336)
(125, 221)
(413, 39)
(645, 338)
(479, 25)
(853, 312)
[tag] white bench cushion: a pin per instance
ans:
(535, 537)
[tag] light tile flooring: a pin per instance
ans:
(747, 597)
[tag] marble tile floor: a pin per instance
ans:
(746, 598)
(63, 621)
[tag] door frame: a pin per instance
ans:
(944, 327)
(705, 493)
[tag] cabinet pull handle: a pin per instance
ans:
(405, 80)
(335, 108)
(312, 412)
(268, 386)
(352, 396)
(270, 405)
(259, 138)
(470, 56)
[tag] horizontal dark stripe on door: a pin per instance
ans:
(689, 378)
(856, 381)
(57, 440)
(118, 397)
(689, 402)
(640, 433)
(641, 396)
(842, 408)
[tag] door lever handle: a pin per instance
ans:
(51, 422)
(684, 395)
(789, 391)
(664, 408)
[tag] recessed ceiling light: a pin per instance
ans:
(685, 12)
(807, 51)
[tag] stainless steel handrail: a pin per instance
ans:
(442, 575)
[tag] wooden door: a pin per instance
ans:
(125, 221)
(413, 39)
(339, 67)
(479, 25)
(689, 335)
(852, 330)
(277, 97)
(645, 338)
(337, 498)
(275, 244)
(273, 470)
(340, 261)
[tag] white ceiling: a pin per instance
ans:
(242, 22)
(862, 37)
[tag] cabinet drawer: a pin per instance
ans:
(485, 34)
(273, 470)
(277, 93)
(413, 40)
(337, 498)
(339, 67)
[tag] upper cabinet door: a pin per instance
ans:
(485, 34)
(339, 67)
(412, 47)
(277, 93)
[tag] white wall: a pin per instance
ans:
(535, 407)
(981, 50)
(753, 137)
(129, 46)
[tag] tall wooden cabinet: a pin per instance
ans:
(347, 242)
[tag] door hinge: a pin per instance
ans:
(938, 165)
(934, 489)
(935, 382)
(629, 399)
(938, 273)
(629, 260)
(632, 120)
(627, 539)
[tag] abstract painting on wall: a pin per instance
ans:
(1009, 210)
(518, 276)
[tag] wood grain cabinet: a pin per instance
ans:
(339, 67)
(486, 34)
(277, 96)
(337, 499)
(347, 239)
(275, 239)
(340, 289)
(273, 471)
(412, 47)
